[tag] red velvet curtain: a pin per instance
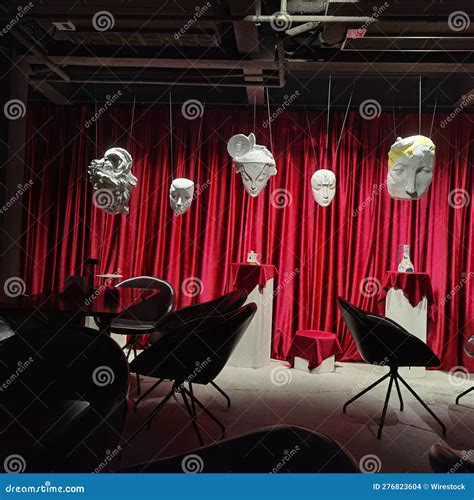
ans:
(320, 253)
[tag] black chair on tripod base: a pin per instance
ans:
(195, 357)
(383, 342)
(185, 320)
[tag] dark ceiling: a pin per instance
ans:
(219, 53)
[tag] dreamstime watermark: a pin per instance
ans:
(22, 11)
(14, 287)
(370, 464)
(281, 376)
(376, 190)
(287, 101)
(192, 464)
(192, 286)
(192, 109)
(108, 103)
(202, 187)
(281, 198)
(282, 284)
(466, 100)
(14, 464)
(369, 378)
(14, 109)
(370, 109)
(103, 20)
(370, 287)
(465, 278)
(22, 366)
(459, 20)
(22, 189)
(465, 457)
(107, 285)
(280, 21)
(458, 376)
(103, 375)
(103, 198)
(200, 11)
(109, 456)
(287, 456)
(199, 366)
(378, 11)
(458, 198)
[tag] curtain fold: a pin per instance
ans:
(321, 253)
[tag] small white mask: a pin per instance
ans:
(181, 195)
(410, 167)
(254, 162)
(323, 185)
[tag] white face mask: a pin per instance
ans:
(113, 181)
(323, 185)
(410, 167)
(254, 162)
(181, 195)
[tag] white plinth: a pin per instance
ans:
(254, 349)
(413, 319)
(327, 366)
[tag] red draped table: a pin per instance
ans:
(254, 349)
(409, 301)
(313, 349)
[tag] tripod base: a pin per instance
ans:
(395, 378)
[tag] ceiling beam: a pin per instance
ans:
(248, 44)
(44, 87)
(376, 68)
(140, 62)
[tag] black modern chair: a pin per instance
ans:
(189, 318)
(177, 320)
(381, 341)
(464, 393)
(65, 402)
(146, 316)
(468, 350)
(194, 358)
(279, 449)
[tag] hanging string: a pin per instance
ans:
(327, 120)
(393, 116)
(133, 116)
(171, 137)
(344, 122)
(269, 121)
(434, 112)
(419, 108)
(97, 121)
(254, 111)
(309, 129)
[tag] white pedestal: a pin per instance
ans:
(254, 348)
(413, 319)
(327, 366)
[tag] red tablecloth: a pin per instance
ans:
(313, 345)
(415, 286)
(248, 276)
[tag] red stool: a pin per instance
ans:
(314, 351)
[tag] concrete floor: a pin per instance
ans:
(277, 395)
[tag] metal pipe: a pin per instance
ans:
(307, 19)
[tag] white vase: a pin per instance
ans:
(405, 265)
